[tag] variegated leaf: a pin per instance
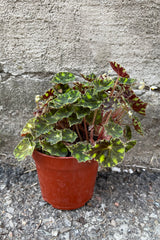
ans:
(113, 129)
(135, 102)
(28, 128)
(90, 100)
(55, 115)
(130, 145)
(119, 70)
(103, 85)
(66, 98)
(127, 132)
(53, 137)
(137, 125)
(125, 81)
(24, 148)
(68, 135)
(41, 127)
(63, 77)
(109, 153)
(89, 77)
(58, 149)
(79, 151)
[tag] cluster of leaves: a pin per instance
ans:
(84, 119)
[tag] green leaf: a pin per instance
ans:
(54, 116)
(58, 149)
(79, 151)
(50, 117)
(74, 120)
(89, 77)
(130, 145)
(90, 100)
(127, 81)
(81, 111)
(41, 127)
(103, 85)
(66, 98)
(127, 132)
(54, 137)
(24, 148)
(28, 128)
(114, 129)
(63, 77)
(68, 135)
(109, 153)
(137, 125)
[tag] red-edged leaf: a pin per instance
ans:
(48, 94)
(90, 77)
(137, 125)
(119, 70)
(135, 102)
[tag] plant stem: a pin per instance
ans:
(85, 127)
(91, 134)
(111, 94)
(79, 135)
(94, 117)
(108, 117)
(102, 131)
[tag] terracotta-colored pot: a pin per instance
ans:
(65, 183)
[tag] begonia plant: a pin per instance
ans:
(85, 118)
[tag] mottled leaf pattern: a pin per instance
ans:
(24, 148)
(89, 101)
(137, 125)
(109, 153)
(54, 116)
(28, 128)
(68, 135)
(41, 127)
(79, 151)
(81, 111)
(130, 145)
(135, 102)
(58, 149)
(114, 129)
(103, 85)
(63, 77)
(89, 77)
(127, 132)
(66, 98)
(119, 70)
(126, 81)
(53, 137)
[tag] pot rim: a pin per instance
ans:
(60, 158)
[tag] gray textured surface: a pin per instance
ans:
(39, 38)
(124, 207)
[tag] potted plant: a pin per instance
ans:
(76, 126)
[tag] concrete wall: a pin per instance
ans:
(41, 37)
